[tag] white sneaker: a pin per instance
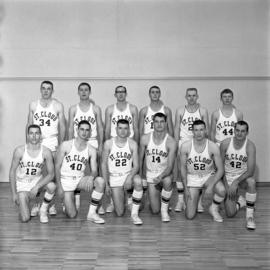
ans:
(43, 216)
(251, 225)
(63, 208)
(136, 220)
(165, 216)
(101, 210)
(94, 217)
(213, 210)
(52, 210)
(180, 206)
(35, 210)
(110, 208)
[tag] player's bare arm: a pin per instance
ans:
(205, 118)
(143, 144)
(134, 113)
(168, 113)
(62, 121)
(100, 130)
(214, 118)
(71, 115)
(104, 163)
(17, 155)
(108, 116)
(93, 161)
(142, 115)
(177, 126)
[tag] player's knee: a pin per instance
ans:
(119, 212)
(51, 187)
(167, 183)
(251, 182)
(71, 214)
(190, 215)
(221, 191)
(100, 183)
(230, 213)
(25, 218)
(155, 210)
(137, 182)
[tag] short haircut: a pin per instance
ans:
(33, 126)
(192, 89)
(242, 123)
(122, 121)
(46, 82)
(198, 122)
(84, 122)
(84, 84)
(154, 87)
(120, 86)
(226, 91)
(161, 115)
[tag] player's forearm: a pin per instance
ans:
(13, 184)
(45, 180)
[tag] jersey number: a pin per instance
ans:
(236, 164)
(42, 122)
(227, 132)
(31, 171)
(199, 166)
(156, 159)
(190, 126)
(120, 162)
(74, 167)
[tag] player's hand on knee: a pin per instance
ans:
(60, 192)
(108, 190)
(157, 180)
(207, 197)
(232, 192)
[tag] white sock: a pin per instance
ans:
(136, 201)
(95, 199)
(251, 199)
(165, 198)
(46, 201)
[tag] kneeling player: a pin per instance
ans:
(201, 170)
(158, 148)
(26, 174)
(239, 155)
(120, 167)
(71, 162)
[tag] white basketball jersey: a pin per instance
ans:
(88, 116)
(47, 119)
(30, 167)
(186, 123)
(148, 120)
(74, 163)
(236, 160)
(117, 115)
(120, 159)
(200, 164)
(225, 126)
(156, 157)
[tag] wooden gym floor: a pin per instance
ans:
(119, 245)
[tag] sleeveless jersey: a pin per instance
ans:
(117, 115)
(156, 157)
(30, 168)
(236, 160)
(148, 120)
(200, 164)
(47, 119)
(88, 116)
(225, 126)
(120, 159)
(186, 123)
(74, 163)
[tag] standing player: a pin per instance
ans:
(201, 169)
(48, 113)
(26, 174)
(120, 167)
(224, 119)
(239, 156)
(121, 110)
(159, 149)
(86, 110)
(184, 118)
(146, 123)
(71, 161)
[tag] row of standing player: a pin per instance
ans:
(48, 114)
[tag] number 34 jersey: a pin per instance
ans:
(120, 159)
(235, 161)
(47, 119)
(74, 162)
